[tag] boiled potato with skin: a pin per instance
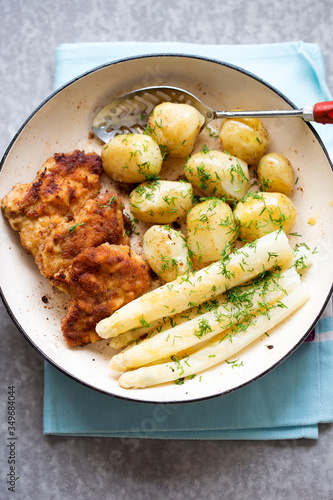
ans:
(218, 174)
(262, 213)
(166, 252)
(275, 173)
(132, 158)
(211, 230)
(161, 202)
(175, 127)
(246, 138)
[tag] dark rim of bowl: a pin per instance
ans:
(71, 82)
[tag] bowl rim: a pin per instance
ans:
(73, 81)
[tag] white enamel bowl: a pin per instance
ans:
(62, 123)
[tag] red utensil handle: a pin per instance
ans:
(323, 112)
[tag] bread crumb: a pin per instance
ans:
(312, 220)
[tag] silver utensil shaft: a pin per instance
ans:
(306, 113)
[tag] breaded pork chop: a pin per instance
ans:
(62, 186)
(100, 280)
(100, 220)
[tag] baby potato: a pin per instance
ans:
(132, 158)
(161, 202)
(218, 174)
(262, 213)
(166, 252)
(175, 127)
(275, 173)
(246, 138)
(211, 230)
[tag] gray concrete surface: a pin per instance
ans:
(86, 468)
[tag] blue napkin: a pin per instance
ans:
(288, 402)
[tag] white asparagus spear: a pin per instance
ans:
(241, 266)
(217, 350)
(302, 260)
(205, 326)
(125, 339)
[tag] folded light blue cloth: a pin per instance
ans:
(288, 402)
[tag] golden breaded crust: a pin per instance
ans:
(100, 220)
(101, 280)
(79, 240)
(62, 186)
